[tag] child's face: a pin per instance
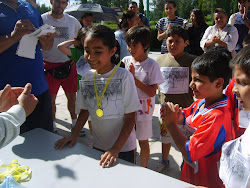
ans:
(201, 86)
(98, 55)
(136, 50)
(242, 88)
(133, 21)
(242, 4)
(170, 9)
(176, 45)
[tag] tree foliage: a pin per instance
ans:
(207, 6)
(43, 8)
(141, 6)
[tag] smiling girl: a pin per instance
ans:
(107, 93)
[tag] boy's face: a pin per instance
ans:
(87, 21)
(201, 86)
(242, 88)
(176, 45)
(136, 50)
(170, 9)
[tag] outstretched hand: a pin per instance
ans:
(8, 97)
(27, 100)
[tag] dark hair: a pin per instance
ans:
(199, 16)
(133, 3)
(214, 64)
(246, 41)
(87, 14)
(177, 30)
(171, 2)
(81, 33)
(243, 0)
(138, 34)
(124, 22)
(242, 59)
(107, 36)
(220, 10)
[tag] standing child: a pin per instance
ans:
(108, 94)
(234, 168)
(239, 116)
(165, 23)
(173, 64)
(75, 54)
(147, 77)
(207, 120)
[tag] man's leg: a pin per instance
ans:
(71, 104)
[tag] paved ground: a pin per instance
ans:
(63, 121)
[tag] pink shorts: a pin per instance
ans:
(68, 84)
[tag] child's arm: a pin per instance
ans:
(169, 114)
(110, 157)
(148, 89)
(81, 120)
(64, 47)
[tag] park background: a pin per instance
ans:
(156, 11)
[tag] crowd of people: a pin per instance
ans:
(110, 81)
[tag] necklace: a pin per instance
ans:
(99, 111)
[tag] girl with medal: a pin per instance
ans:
(108, 94)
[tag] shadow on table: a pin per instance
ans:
(39, 144)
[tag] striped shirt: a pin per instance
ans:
(163, 24)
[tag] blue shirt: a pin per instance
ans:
(242, 29)
(15, 70)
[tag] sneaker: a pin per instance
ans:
(162, 167)
(82, 132)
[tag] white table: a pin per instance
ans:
(77, 166)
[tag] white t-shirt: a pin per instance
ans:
(149, 73)
(120, 98)
(67, 28)
(235, 162)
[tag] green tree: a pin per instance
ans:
(43, 8)
(141, 6)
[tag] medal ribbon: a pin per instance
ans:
(99, 100)
(20, 173)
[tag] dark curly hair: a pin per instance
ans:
(199, 17)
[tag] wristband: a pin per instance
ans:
(245, 18)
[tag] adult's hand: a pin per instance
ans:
(8, 97)
(27, 100)
(22, 27)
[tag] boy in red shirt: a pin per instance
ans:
(206, 123)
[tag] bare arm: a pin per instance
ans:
(81, 120)
(161, 35)
(110, 157)
(22, 27)
(64, 47)
(46, 41)
(148, 89)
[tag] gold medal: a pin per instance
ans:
(99, 112)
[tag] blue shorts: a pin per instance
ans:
(41, 117)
